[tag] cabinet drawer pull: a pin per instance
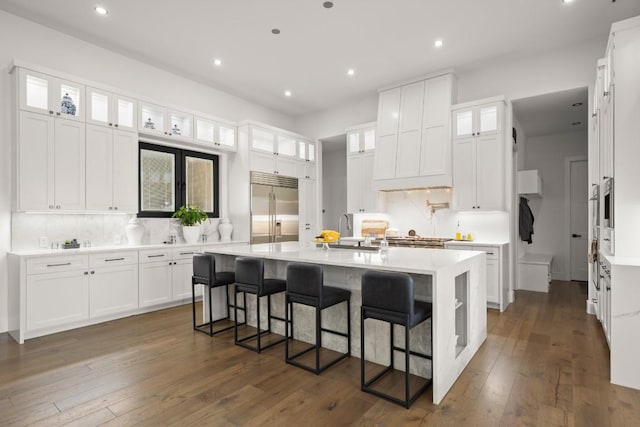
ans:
(155, 256)
(58, 265)
(114, 259)
(187, 253)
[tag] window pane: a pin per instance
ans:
(354, 142)
(199, 174)
(369, 139)
(99, 107)
(464, 123)
(488, 118)
(157, 181)
(37, 92)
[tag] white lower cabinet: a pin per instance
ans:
(155, 283)
(493, 281)
(113, 283)
(165, 276)
(54, 299)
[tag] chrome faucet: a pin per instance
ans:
(344, 215)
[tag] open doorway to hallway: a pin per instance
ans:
(552, 139)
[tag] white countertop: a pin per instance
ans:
(118, 248)
(425, 261)
(623, 261)
(477, 242)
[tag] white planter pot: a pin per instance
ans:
(191, 233)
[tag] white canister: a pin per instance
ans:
(135, 232)
(225, 228)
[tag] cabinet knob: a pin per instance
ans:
(110, 124)
(50, 111)
(93, 272)
(86, 273)
(115, 208)
(50, 206)
(57, 206)
(110, 207)
(116, 125)
(58, 113)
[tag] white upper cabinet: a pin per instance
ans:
(263, 140)
(158, 120)
(478, 157)
(212, 133)
(108, 109)
(41, 93)
(307, 151)
(361, 140)
(413, 148)
(360, 164)
(476, 121)
(112, 164)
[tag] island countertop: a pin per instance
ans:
(409, 260)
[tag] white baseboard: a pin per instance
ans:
(4, 325)
(591, 307)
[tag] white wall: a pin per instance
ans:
(547, 154)
(334, 189)
(34, 43)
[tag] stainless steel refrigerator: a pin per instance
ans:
(274, 208)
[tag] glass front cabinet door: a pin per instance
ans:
(108, 109)
(211, 133)
(41, 93)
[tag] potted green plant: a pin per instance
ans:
(190, 218)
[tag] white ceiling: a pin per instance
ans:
(385, 41)
(553, 112)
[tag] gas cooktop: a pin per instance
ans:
(416, 241)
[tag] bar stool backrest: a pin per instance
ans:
(250, 271)
(305, 279)
(388, 291)
(204, 268)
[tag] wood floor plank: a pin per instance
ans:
(545, 362)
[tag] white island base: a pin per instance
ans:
(454, 281)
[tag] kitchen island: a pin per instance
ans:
(454, 281)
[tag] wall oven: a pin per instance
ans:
(608, 200)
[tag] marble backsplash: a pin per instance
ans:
(99, 229)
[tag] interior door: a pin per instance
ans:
(579, 213)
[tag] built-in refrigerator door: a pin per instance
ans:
(261, 213)
(286, 214)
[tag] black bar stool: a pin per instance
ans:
(250, 279)
(389, 297)
(305, 286)
(204, 273)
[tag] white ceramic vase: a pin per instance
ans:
(225, 228)
(135, 232)
(191, 233)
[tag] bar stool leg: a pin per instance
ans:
(361, 349)
(349, 326)
(286, 327)
(318, 336)
(269, 313)
(208, 288)
(406, 366)
(391, 344)
(193, 302)
(258, 322)
(235, 315)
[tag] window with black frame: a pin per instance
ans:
(171, 177)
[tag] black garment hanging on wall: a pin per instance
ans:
(526, 221)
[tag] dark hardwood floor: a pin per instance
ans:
(545, 362)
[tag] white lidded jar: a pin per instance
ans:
(135, 231)
(225, 228)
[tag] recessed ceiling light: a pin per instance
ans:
(101, 10)
(567, 1)
(327, 4)
(577, 104)
(287, 93)
(438, 43)
(217, 62)
(576, 123)
(275, 31)
(351, 72)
